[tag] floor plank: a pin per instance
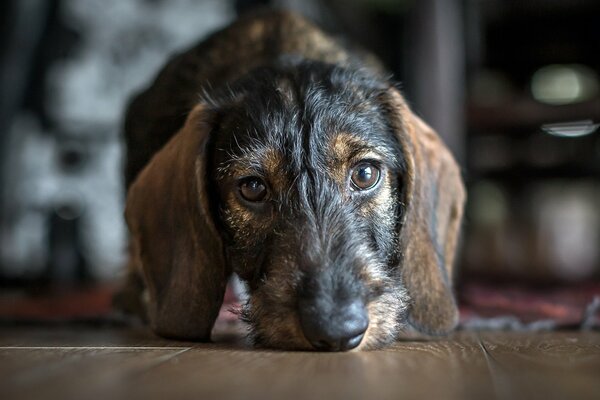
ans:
(555, 365)
(443, 369)
(77, 373)
(116, 362)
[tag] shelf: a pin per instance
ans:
(526, 114)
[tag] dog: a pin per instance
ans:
(271, 151)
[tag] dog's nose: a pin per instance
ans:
(341, 330)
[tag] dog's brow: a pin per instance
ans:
(348, 147)
(365, 154)
(261, 161)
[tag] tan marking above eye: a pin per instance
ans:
(272, 161)
(348, 151)
(262, 162)
(343, 145)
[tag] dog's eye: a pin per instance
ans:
(365, 176)
(253, 189)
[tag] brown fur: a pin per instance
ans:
(431, 168)
(176, 248)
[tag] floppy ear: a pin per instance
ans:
(433, 197)
(174, 239)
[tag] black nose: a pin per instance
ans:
(342, 328)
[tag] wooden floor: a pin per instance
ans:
(111, 363)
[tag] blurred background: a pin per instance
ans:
(513, 87)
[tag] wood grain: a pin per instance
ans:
(67, 363)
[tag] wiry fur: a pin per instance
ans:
(300, 116)
(314, 227)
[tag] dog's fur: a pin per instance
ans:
(274, 97)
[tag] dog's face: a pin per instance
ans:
(320, 188)
(308, 173)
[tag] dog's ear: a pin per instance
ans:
(174, 238)
(432, 197)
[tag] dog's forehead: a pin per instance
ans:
(288, 124)
(288, 152)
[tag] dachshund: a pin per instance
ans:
(271, 151)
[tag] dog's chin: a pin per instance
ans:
(280, 330)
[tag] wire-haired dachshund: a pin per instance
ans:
(272, 151)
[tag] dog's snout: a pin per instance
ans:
(341, 329)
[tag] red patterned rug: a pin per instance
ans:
(482, 305)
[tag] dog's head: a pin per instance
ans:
(321, 190)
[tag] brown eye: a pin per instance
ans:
(253, 189)
(365, 176)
